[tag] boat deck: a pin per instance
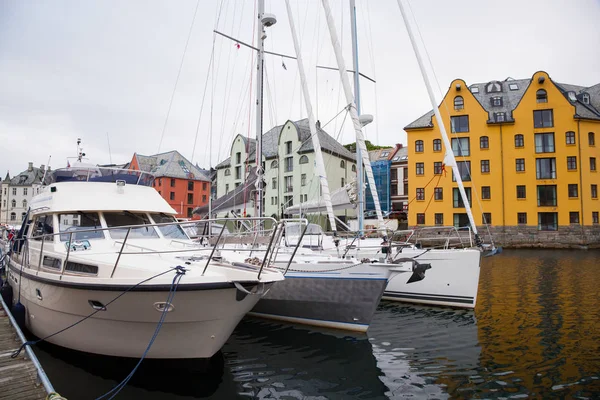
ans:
(18, 376)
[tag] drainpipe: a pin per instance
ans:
(502, 175)
(582, 219)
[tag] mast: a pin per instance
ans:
(360, 138)
(359, 167)
(260, 36)
(449, 156)
(311, 122)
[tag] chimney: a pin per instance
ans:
(318, 124)
(30, 168)
(49, 168)
(400, 145)
(42, 167)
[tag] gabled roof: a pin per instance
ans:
(28, 178)
(171, 165)
(512, 97)
(234, 199)
(378, 155)
(270, 143)
(6, 178)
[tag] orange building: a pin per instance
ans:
(183, 185)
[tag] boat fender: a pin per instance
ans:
(7, 294)
(55, 396)
(18, 312)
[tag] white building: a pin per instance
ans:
(290, 169)
(17, 193)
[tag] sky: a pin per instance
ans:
(119, 75)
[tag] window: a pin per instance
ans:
(159, 181)
(5, 191)
(520, 164)
(486, 193)
(420, 193)
(543, 119)
(190, 185)
(13, 203)
(394, 189)
(594, 189)
(519, 142)
(591, 139)
(288, 147)
(500, 116)
(522, 218)
(289, 164)
(274, 164)
(461, 220)
(484, 142)
(437, 168)
(573, 192)
(172, 196)
(547, 221)
(169, 231)
(203, 198)
(474, 89)
(79, 222)
(592, 163)
(574, 217)
(438, 193)
(572, 163)
(439, 219)
(238, 172)
(460, 147)
(594, 217)
(14, 191)
(274, 183)
(405, 188)
(437, 145)
(460, 124)
(419, 146)
(172, 182)
(394, 174)
(204, 185)
(190, 212)
(24, 203)
(353, 167)
(13, 216)
(420, 168)
(304, 160)
(586, 98)
(303, 180)
(459, 103)
(521, 192)
(513, 86)
(238, 157)
(190, 198)
(343, 182)
(486, 218)
(570, 137)
(493, 87)
(496, 101)
(342, 164)
(227, 188)
(420, 219)
(457, 199)
(289, 186)
(384, 154)
(227, 172)
(541, 96)
(544, 142)
(485, 166)
(24, 191)
(288, 201)
(545, 168)
(126, 218)
(464, 167)
(546, 195)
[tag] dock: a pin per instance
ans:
(21, 377)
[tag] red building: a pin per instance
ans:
(183, 185)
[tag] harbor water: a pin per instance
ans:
(534, 334)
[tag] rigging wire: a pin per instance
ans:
(178, 75)
(371, 49)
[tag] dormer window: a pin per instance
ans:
(384, 154)
(474, 89)
(497, 101)
(459, 103)
(586, 98)
(513, 86)
(572, 97)
(493, 87)
(500, 117)
(227, 172)
(541, 96)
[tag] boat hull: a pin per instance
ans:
(199, 324)
(340, 302)
(452, 280)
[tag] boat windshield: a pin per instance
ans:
(126, 218)
(168, 231)
(81, 221)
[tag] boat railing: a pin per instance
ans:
(91, 173)
(76, 241)
(442, 237)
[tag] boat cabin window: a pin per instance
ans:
(126, 218)
(82, 225)
(43, 225)
(168, 231)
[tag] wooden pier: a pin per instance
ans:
(18, 376)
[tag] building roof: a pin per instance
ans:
(171, 165)
(512, 91)
(270, 142)
(380, 154)
(30, 176)
(234, 199)
(401, 155)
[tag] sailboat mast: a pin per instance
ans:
(359, 166)
(312, 124)
(260, 36)
(449, 158)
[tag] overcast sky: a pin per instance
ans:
(105, 71)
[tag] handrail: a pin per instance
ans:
(120, 252)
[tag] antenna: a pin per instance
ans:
(109, 153)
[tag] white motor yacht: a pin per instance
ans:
(96, 233)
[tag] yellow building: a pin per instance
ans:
(528, 151)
